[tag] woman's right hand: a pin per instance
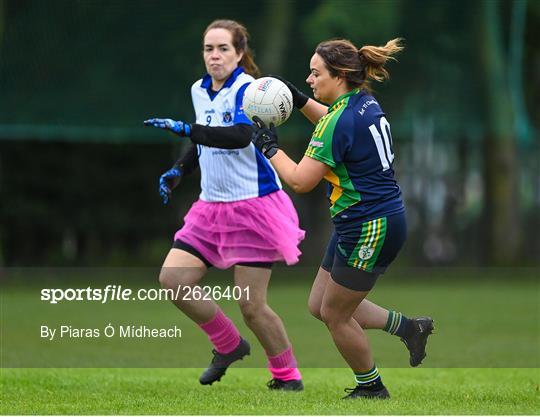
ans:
(264, 138)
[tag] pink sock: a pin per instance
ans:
(222, 333)
(283, 366)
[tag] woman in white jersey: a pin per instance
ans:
(223, 228)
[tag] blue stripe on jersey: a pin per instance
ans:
(267, 177)
(239, 115)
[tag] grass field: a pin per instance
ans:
(483, 359)
(242, 391)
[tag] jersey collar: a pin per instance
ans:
(343, 97)
(207, 82)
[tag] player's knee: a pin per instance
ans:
(167, 278)
(315, 309)
(330, 316)
(251, 310)
(171, 278)
(362, 321)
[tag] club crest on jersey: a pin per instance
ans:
(365, 252)
(227, 117)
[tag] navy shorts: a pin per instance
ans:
(358, 252)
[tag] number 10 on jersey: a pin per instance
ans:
(384, 143)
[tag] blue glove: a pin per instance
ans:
(180, 128)
(168, 182)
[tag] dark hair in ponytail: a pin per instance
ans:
(240, 39)
(358, 66)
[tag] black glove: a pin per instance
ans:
(265, 139)
(299, 99)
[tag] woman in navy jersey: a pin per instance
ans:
(351, 147)
(242, 218)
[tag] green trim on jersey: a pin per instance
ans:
(343, 194)
(320, 145)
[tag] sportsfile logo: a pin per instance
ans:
(113, 292)
(264, 86)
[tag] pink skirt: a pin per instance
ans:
(261, 229)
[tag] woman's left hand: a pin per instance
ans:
(264, 138)
(180, 128)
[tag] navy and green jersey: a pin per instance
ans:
(354, 140)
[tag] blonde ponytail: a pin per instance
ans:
(374, 59)
(358, 66)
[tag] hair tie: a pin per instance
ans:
(361, 57)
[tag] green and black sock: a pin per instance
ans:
(397, 324)
(369, 380)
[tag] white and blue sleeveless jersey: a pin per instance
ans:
(229, 174)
